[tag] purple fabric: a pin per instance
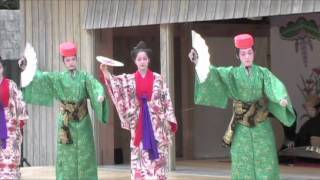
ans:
(149, 141)
(3, 128)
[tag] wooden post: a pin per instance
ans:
(105, 133)
(167, 72)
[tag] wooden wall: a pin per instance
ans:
(47, 23)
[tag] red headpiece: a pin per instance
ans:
(243, 41)
(68, 49)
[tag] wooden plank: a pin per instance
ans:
(145, 12)
(49, 145)
(275, 7)
(76, 22)
(69, 20)
(56, 61)
(28, 145)
(297, 6)
(202, 10)
(44, 65)
(183, 11)
(286, 6)
(98, 13)
(316, 6)
(136, 18)
(254, 9)
(86, 46)
(62, 27)
(154, 6)
(211, 9)
(165, 12)
(106, 13)
(113, 13)
(308, 6)
(240, 9)
(36, 109)
(192, 10)
(219, 14)
(121, 13)
(264, 9)
(174, 13)
(89, 17)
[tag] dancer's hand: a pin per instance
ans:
(105, 71)
(101, 99)
(283, 102)
(193, 56)
(22, 62)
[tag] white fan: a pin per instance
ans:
(199, 44)
(109, 61)
(31, 68)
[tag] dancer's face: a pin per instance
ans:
(246, 56)
(70, 62)
(142, 61)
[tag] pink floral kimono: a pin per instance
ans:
(13, 114)
(145, 109)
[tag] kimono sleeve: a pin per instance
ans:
(40, 91)
(121, 89)
(21, 109)
(96, 90)
(213, 91)
(168, 108)
(275, 91)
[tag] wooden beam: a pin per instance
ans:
(167, 72)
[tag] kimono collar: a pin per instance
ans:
(4, 93)
(249, 70)
(144, 85)
(73, 73)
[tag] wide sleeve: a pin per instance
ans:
(213, 89)
(275, 91)
(21, 109)
(168, 107)
(121, 89)
(40, 91)
(96, 90)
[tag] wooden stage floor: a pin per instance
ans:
(190, 169)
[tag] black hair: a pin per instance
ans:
(140, 47)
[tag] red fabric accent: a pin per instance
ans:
(68, 49)
(4, 92)
(174, 127)
(144, 87)
(243, 41)
(22, 123)
(101, 77)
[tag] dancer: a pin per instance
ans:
(13, 116)
(255, 91)
(76, 156)
(144, 106)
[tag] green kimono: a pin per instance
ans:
(253, 149)
(77, 160)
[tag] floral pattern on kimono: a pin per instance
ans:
(122, 89)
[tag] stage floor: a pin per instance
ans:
(191, 169)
